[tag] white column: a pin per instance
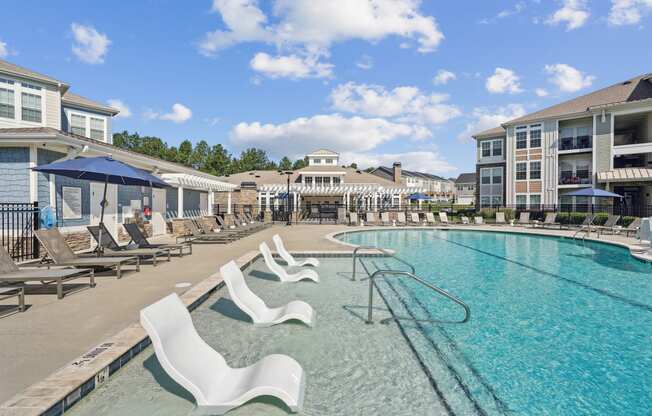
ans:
(228, 204)
(211, 201)
(33, 175)
(180, 202)
(268, 202)
(260, 201)
(53, 191)
(399, 200)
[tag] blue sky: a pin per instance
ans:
(378, 80)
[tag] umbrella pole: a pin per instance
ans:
(99, 243)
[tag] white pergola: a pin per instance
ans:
(183, 181)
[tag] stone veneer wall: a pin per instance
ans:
(78, 240)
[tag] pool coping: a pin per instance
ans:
(62, 389)
(632, 248)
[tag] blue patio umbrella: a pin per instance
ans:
(593, 193)
(102, 169)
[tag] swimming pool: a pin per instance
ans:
(557, 328)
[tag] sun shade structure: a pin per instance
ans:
(594, 193)
(102, 169)
(418, 197)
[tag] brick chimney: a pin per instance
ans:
(397, 173)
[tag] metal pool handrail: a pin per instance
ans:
(382, 250)
(467, 310)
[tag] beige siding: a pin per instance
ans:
(52, 108)
(521, 187)
(602, 144)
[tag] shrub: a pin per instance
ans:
(571, 218)
(625, 221)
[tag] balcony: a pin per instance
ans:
(578, 177)
(575, 143)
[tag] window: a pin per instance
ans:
(7, 106)
(31, 106)
(97, 128)
(336, 180)
(329, 161)
(485, 177)
(535, 138)
(319, 181)
(491, 189)
(316, 161)
(308, 181)
(535, 200)
(498, 147)
(486, 149)
(78, 124)
(574, 172)
(521, 171)
(574, 138)
(521, 139)
(30, 86)
(535, 170)
(6, 81)
(521, 201)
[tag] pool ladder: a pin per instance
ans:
(411, 274)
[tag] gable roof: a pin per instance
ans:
(386, 172)
(494, 132)
(19, 71)
(323, 152)
(634, 89)
(466, 178)
(79, 101)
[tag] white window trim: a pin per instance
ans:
(18, 89)
(70, 112)
(527, 128)
(527, 170)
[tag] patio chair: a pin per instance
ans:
(430, 218)
(414, 218)
(478, 220)
(62, 255)
(255, 307)
(111, 248)
(608, 226)
(138, 238)
(233, 229)
(371, 218)
(500, 218)
(10, 273)
(279, 271)
(198, 368)
(353, 218)
(524, 219)
(633, 227)
(11, 292)
(465, 220)
(400, 218)
(196, 235)
(289, 259)
(549, 221)
(443, 218)
(384, 218)
(208, 225)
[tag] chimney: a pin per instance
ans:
(397, 173)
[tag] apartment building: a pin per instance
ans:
(601, 139)
(440, 189)
(42, 121)
(465, 189)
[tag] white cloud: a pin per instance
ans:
(3, 49)
(518, 8)
(291, 66)
(179, 114)
(628, 12)
(90, 45)
(119, 105)
(485, 118)
(408, 103)
(567, 78)
(430, 161)
(443, 77)
(540, 92)
(212, 121)
(503, 80)
(573, 13)
(365, 62)
(312, 27)
(301, 135)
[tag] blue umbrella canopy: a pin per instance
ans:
(418, 197)
(594, 193)
(102, 169)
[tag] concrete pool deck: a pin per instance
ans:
(53, 333)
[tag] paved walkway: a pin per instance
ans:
(52, 332)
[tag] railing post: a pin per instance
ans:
(36, 223)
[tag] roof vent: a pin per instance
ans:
(358, 171)
(257, 176)
(252, 173)
(627, 82)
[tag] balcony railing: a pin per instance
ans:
(575, 178)
(575, 143)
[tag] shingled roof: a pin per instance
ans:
(79, 101)
(19, 71)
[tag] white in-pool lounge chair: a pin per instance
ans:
(201, 370)
(291, 261)
(282, 274)
(255, 307)
(500, 218)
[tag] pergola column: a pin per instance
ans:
(211, 201)
(229, 210)
(180, 202)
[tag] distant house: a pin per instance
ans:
(465, 186)
(441, 189)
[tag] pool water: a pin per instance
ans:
(557, 327)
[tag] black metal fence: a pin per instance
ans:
(17, 224)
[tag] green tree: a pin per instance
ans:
(252, 159)
(353, 165)
(299, 164)
(219, 161)
(185, 150)
(285, 163)
(199, 155)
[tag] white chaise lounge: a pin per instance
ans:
(201, 370)
(291, 261)
(255, 307)
(282, 274)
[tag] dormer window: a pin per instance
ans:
(31, 107)
(329, 161)
(78, 124)
(317, 161)
(97, 128)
